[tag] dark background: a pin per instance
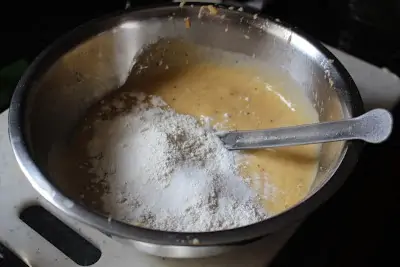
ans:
(369, 29)
(359, 226)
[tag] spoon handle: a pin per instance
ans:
(374, 127)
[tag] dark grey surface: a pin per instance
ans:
(69, 242)
(9, 259)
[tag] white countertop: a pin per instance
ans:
(378, 88)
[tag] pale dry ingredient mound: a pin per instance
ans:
(168, 172)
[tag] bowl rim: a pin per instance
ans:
(77, 211)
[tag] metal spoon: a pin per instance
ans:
(374, 126)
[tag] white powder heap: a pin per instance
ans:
(167, 172)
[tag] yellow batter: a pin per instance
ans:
(237, 98)
(233, 97)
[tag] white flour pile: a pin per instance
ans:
(167, 172)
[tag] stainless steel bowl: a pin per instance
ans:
(96, 58)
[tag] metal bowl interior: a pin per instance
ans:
(96, 59)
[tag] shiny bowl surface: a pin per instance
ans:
(96, 58)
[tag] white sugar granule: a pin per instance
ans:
(168, 172)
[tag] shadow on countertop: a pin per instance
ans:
(358, 226)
